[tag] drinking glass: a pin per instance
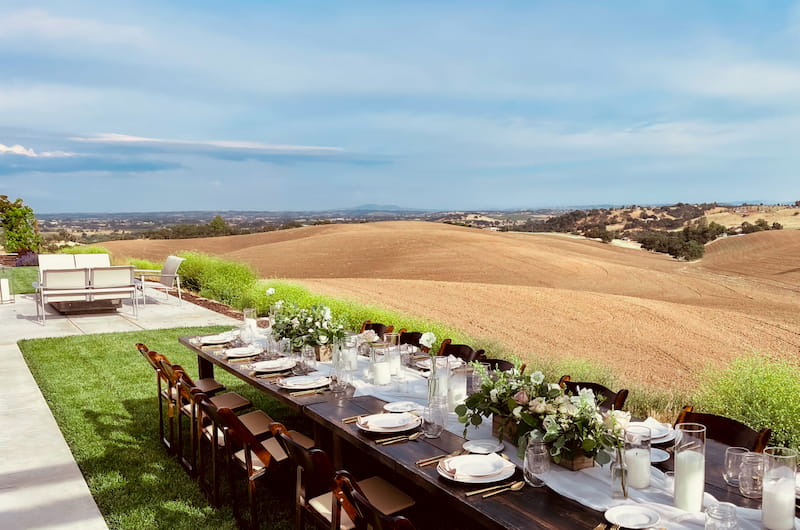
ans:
(778, 497)
(536, 462)
(457, 386)
(637, 455)
(751, 474)
(690, 466)
(250, 328)
(733, 463)
(721, 516)
(434, 416)
(309, 359)
(479, 372)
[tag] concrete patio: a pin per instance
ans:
(41, 486)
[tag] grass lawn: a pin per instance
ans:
(21, 278)
(103, 396)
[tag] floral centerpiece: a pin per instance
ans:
(572, 426)
(314, 326)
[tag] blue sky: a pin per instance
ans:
(145, 106)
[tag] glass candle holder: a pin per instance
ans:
(733, 464)
(721, 516)
(751, 474)
(637, 455)
(778, 498)
(690, 466)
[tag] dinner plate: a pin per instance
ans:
(222, 338)
(657, 430)
(378, 424)
(274, 365)
(668, 438)
(658, 455)
(504, 471)
(483, 447)
(303, 382)
(244, 351)
(401, 406)
(632, 516)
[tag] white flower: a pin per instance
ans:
(553, 386)
(427, 339)
(493, 395)
(326, 313)
(517, 412)
(323, 339)
(616, 420)
(279, 304)
(538, 405)
(271, 291)
(369, 336)
(537, 377)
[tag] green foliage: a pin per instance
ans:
(148, 265)
(601, 233)
(760, 226)
(83, 250)
(103, 396)
(18, 229)
(759, 392)
(230, 283)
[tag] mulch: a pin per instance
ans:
(217, 307)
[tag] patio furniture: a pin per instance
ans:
(167, 278)
(611, 399)
(364, 514)
(726, 430)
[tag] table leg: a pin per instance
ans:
(205, 368)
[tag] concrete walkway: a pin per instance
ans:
(40, 483)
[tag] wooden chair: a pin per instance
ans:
(314, 494)
(726, 430)
(611, 399)
(412, 337)
(462, 351)
(207, 385)
(364, 514)
(180, 406)
(500, 365)
(377, 327)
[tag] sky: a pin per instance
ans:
(267, 105)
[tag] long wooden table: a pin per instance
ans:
(528, 508)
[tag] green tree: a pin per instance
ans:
(219, 227)
(19, 231)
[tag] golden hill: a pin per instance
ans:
(651, 318)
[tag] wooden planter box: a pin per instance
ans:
(577, 462)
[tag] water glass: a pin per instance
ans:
(479, 372)
(721, 516)
(751, 474)
(309, 359)
(536, 462)
(733, 463)
(637, 456)
(434, 417)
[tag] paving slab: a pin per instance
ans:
(41, 486)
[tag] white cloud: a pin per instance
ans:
(749, 80)
(38, 24)
(258, 147)
(30, 153)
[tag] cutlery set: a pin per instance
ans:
(396, 439)
(436, 459)
(353, 419)
(302, 393)
(515, 486)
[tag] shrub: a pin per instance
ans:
(29, 259)
(230, 283)
(83, 250)
(759, 392)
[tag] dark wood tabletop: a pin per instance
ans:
(528, 508)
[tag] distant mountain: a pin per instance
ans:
(379, 208)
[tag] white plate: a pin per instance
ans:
(222, 338)
(668, 438)
(483, 447)
(244, 351)
(367, 424)
(400, 406)
(659, 431)
(632, 516)
(504, 473)
(388, 421)
(274, 365)
(303, 382)
(658, 455)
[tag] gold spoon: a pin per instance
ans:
(410, 437)
(514, 487)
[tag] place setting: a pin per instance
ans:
(476, 468)
(242, 353)
(301, 385)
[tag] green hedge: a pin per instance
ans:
(80, 249)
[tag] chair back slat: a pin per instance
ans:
(463, 351)
(727, 430)
(377, 327)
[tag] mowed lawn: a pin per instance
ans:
(103, 395)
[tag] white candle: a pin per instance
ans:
(690, 480)
(638, 463)
(394, 362)
(777, 504)
(381, 373)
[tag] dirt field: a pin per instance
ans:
(651, 319)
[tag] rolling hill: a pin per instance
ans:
(650, 318)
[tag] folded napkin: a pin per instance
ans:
(244, 351)
(303, 384)
(218, 339)
(469, 467)
(657, 429)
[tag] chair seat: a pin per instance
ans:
(230, 400)
(257, 422)
(275, 450)
(385, 497)
(209, 386)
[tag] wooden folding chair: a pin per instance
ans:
(364, 514)
(610, 399)
(377, 327)
(462, 351)
(726, 430)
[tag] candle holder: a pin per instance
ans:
(777, 499)
(690, 466)
(637, 455)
